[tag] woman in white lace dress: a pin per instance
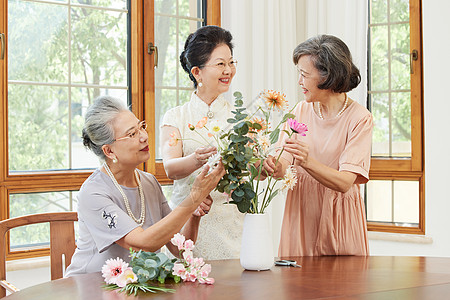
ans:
(208, 59)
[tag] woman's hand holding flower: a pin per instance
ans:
(202, 154)
(205, 183)
(299, 150)
(204, 207)
(272, 167)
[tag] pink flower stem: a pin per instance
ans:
(266, 203)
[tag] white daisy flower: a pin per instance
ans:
(213, 160)
(290, 179)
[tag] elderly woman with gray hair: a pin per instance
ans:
(325, 213)
(122, 207)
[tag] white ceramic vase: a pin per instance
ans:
(257, 244)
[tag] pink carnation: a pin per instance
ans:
(178, 240)
(179, 270)
(191, 276)
(209, 280)
(204, 271)
(189, 245)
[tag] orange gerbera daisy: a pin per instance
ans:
(173, 139)
(202, 122)
(275, 99)
(261, 122)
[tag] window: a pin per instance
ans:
(168, 81)
(395, 194)
(59, 56)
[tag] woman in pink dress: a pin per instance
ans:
(325, 213)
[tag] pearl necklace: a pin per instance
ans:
(319, 109)
(141, 219)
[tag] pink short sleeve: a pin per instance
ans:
(356, 156)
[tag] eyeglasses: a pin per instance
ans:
(222, 65)
(142, 126)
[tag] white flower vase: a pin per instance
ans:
(257, 244)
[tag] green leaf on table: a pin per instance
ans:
(150, 263)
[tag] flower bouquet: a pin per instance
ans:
(250, 141)
(146, 267)
(243, 147)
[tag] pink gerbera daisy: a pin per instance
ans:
(112, 269)
(297, 127)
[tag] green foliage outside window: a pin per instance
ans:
(389, 75)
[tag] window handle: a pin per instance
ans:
(2, 38)
(414, 55)
(152, 48)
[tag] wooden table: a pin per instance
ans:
(344, 277)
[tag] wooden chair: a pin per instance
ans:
(62, 241)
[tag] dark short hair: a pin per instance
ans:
(333, 60)
(199, 46)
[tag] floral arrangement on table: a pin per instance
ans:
(244, 147)
(146, 267)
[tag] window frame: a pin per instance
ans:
(153, 165)
(408, 168)
(142, 102)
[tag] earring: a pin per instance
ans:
(200, 84)
(114, 160)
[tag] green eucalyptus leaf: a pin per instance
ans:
(150, 263)
(239, 139)
(233, 185)
(231, 177)
(241, 116)
(244, 206)
(237, 94)
(288, 116)
(230, 120)
(227, 190)
(240, 157)
(235, 197)
(162, 257)
(153, 273)
(257, 126)
(143, 272)
(249, 193)
(274, 136)
(239, 193)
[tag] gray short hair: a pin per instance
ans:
(98, 129)
(331, 56)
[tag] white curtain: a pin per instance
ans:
(265, 33)
(348, 20)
